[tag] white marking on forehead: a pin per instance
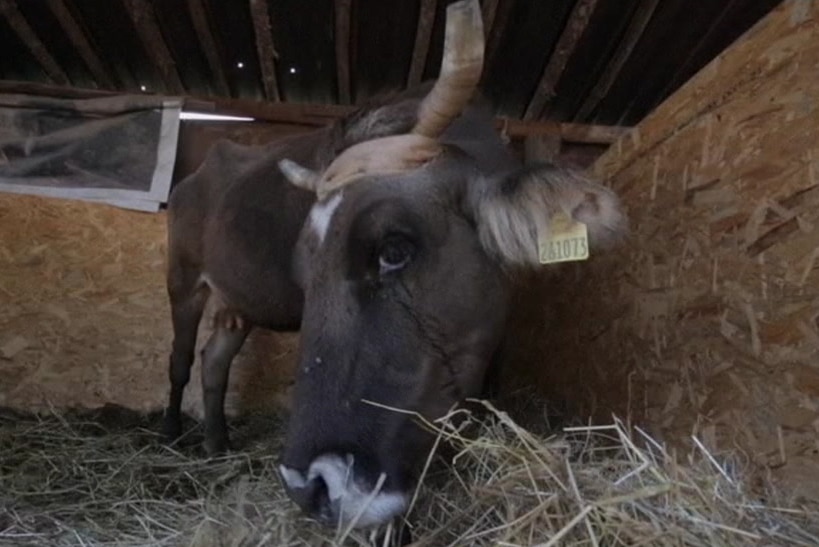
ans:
(322, 214)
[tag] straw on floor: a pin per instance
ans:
(106, 479)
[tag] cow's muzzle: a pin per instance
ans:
(334, 491)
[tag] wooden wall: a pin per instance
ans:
(84, 315)
(707, 323)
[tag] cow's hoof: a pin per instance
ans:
(217, 447)
(171, 429)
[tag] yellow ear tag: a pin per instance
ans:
(566, 241)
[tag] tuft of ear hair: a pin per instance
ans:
(514, 212)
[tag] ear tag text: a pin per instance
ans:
(566, 241)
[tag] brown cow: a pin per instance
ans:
(390, 251)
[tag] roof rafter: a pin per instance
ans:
(144, 18)
(265, 49)
(494, 32)
(343, 10)
(423, 36)
(81, 43)
(206, 41)
(677, 79)
(24, 31)
(488, 10)
(636, 27)
(566, 44)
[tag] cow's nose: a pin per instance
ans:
(333, 491)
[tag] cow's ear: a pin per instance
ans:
(516, 213)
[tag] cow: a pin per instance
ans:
(390, 239)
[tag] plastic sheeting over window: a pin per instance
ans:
(118, 150)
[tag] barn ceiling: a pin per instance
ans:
(605, 62)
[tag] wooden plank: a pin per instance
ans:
(541, 148)
(488, 10)
(144, 18)
(27, 35)
(343, 9)
(634, 32)
(316, 115)
(495, 34)
(81, 43)
(199, 18)
(264, 47)
(423, 35)
(571, 132)
(566, 44)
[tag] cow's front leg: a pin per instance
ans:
(222, 347)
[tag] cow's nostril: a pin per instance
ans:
(310, 494)
(332, 491)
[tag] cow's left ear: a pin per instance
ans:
(515, 214)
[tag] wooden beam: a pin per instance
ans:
(317, 115)
(208, 44)
(81, 43)
(322, 114)
(495, 34)
(20, 26)
(705, 39)
(343, 10)
(566, 44)
(423, 36)
(569, 132)
(541, 148)
(264, 47)
(488, 10)
(144, 18)
(639, 21)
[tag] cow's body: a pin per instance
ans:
(232, 228)
(394, 265)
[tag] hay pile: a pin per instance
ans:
(105, 479)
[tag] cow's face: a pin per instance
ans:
(405, 302)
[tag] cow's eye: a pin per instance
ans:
(395, 253)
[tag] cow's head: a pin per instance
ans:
(404, 263)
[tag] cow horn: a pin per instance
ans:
(298, 175)
(460, 69)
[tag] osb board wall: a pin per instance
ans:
(707, 323)
(84, 318)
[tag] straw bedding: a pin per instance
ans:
(104, 478)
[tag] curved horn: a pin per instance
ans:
(460, 69)
(299, 176)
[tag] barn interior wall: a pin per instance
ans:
(707, 321)
(84, 316)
